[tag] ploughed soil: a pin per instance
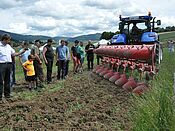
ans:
(85, 102)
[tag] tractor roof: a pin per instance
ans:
(136, 19)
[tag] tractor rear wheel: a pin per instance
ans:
(159, 53)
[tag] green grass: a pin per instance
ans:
(155, 110)
(167, 36)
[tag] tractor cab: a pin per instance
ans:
(136, 30)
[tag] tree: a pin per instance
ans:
(107, 35)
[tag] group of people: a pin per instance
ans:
(31, 60)
(78, 55)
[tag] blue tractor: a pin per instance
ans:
(139, 30)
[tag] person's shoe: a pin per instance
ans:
(39, 85)
(8, 96)
(35, 88)
(49, 82)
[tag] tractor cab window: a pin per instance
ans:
(125, 30)
(137, 27)
(136, 30)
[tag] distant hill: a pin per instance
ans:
(20, 37)
(92, 37)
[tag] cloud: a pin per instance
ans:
(43, 23)
(107, 4)
(6, 4)
(22, 28)
(77, 17)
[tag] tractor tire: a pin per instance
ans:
(159, 53)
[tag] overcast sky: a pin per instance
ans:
(77, 17)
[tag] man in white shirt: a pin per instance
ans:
(6, 53)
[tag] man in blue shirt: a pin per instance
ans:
(62, 54)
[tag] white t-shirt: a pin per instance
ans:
(6, 53)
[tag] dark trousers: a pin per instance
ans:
(5, 71)
(67, 68)
(49, 70)
(90, 61)
(61, 69)
(98, 59)
(38, 71)
(25, 74)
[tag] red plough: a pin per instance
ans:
(121, 61)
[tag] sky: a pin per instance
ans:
(77, 17)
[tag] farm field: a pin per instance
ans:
(82, 102)
(88, 102)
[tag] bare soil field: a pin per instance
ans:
(85, 102)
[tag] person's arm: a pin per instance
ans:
(86, 49)
(57, 54)
(44, 55)
(20, 60)
(18, 53)
(36, 53)
(24, 66)
(38, 59)
(67, 53)
(72, 55)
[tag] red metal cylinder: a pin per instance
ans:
(138, 52)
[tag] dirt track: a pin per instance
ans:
(86, 102)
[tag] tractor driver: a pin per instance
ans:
(135, 32)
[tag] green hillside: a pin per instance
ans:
(167, 36)
(21, 37)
